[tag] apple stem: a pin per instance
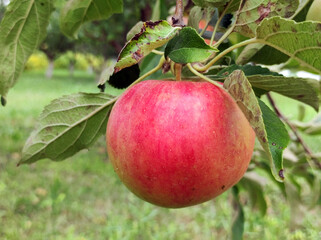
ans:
(177, 19)
(192, 69)
(307, 150)
(178, 71)
(226, 51)
(155, 69)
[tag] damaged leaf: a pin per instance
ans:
(153, 35)
(252, 13)
(301, 89)
(269, 129)
(301, 41)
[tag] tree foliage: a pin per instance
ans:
(244, 34)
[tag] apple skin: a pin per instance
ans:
(314, 13)
(178, 143)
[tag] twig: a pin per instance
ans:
(177, 19)
(306, 148)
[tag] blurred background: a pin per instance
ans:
(82, 198)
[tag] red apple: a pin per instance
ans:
(178, 143)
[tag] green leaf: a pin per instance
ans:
(261, 54)
(302, 89)
(248, 70)
(68, 125)
(277, 136)
(239, 219)
(77, 12)
(251, 13)
(256, 193)
(269, 129)
(266, 55)
(210, 3)
(197, 14)
(153, 35)
(312, 127)
(22, 29)
(160, 10)
(298, 40)
(188, 47)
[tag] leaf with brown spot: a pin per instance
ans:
(301, 41)
(152, 35)
(269, 129)
(252, 13)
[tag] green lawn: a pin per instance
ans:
(82, 198)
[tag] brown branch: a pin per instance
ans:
(177, 19)
(306, 148)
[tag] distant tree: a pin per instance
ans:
(55, 43)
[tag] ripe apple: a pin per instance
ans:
(314, 13)
(178, 143)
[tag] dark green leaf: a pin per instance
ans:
(77, 12)
(188, 47)
(261, 54)
(256, 193)
(153, 35)
(210, 3)
(238, 221)
(68, 125)
(22, 29)
(269, 130)
(277, 135)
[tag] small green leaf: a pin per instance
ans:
(210, 3)
(269, 129)
(22, 29)
(298, 40)
(77, 12)
(239, 219)
(153, 35)
(188, 47)
(251, 13)
(68, 125)
(256, 193)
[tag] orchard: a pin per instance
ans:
(199, 114)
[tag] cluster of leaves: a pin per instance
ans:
(257, 32)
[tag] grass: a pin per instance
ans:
(82, 198)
